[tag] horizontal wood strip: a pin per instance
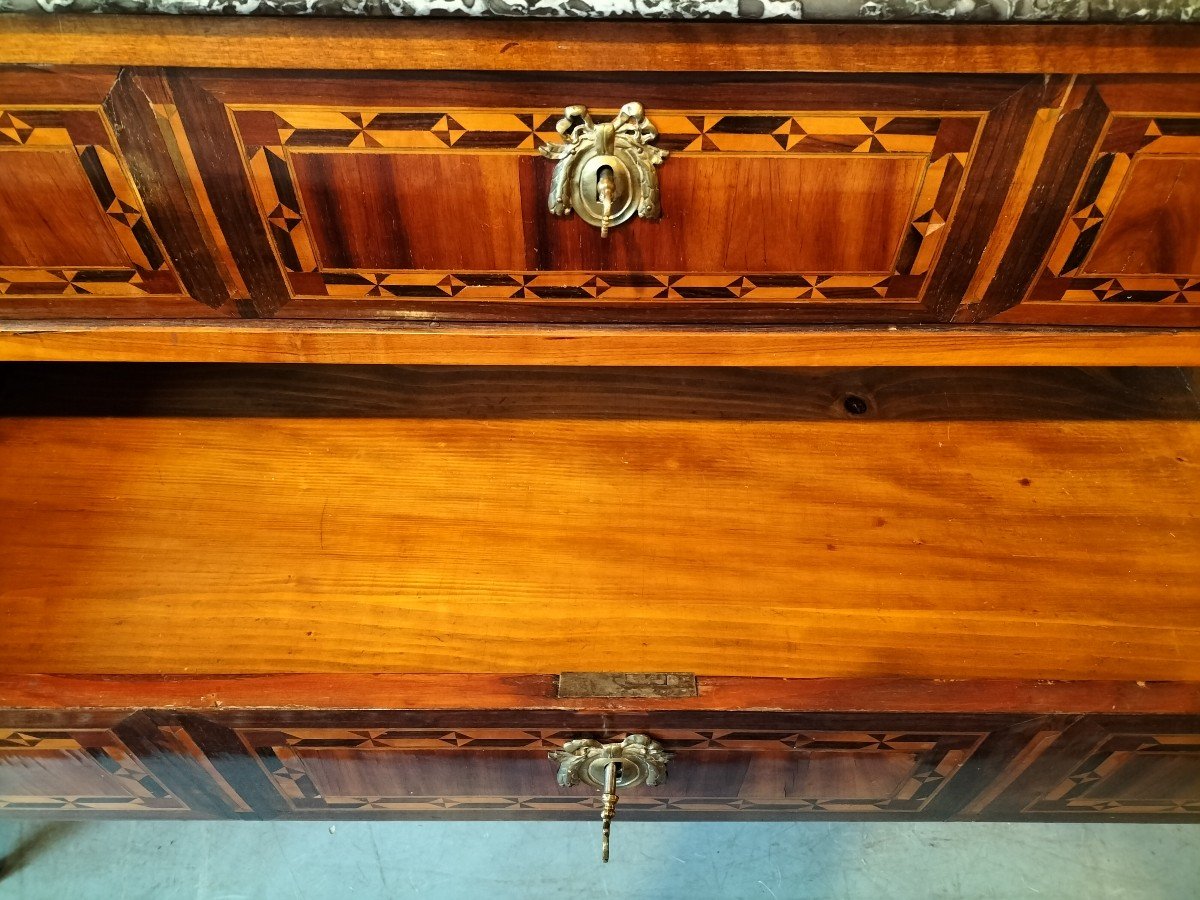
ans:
(598, 346)
(533, 692)
(594, 46)
(902, 393)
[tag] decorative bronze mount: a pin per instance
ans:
(605, 172)
(634, 761)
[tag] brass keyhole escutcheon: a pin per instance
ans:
(635, 761)
(605, 173)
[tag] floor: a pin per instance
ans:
(663, 861)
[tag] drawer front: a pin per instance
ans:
(94, 224)
(77, 771)
(1113, 232)
(295, 763)
(803, 199)
(885, 767)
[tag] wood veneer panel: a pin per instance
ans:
(595, 46)
(57, 771)
(413, 211)
(96, 221)
(85, 766)
(380, 763)
(215, 155)
(1125, 768)
(744, 214)
(1113, 214)
(1155, 225)
(50, 214)
(853, 216)
(345, 770)
(1146, 776)
(1038, 549)
(157, 166)
(344, 773)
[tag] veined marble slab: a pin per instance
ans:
(811, 10)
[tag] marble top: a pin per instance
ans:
(808, 10)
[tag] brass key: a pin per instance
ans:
(634, 761)
(608, 806)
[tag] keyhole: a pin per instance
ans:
(606, 193)
(605, 182)
(617, 770)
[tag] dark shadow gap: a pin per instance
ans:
(738, 394)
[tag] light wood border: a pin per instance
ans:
(587, 45)
(514, 345)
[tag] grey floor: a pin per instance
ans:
(690, 861)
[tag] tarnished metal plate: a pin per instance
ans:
(627, 684)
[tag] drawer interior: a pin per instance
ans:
(932, 523)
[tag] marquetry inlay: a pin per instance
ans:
(1073, 274)
(83, 760)
(1130, 773)
(85, 134)
(272, 137)
(927, 761)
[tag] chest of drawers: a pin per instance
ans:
(857, 464)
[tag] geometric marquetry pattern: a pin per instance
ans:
(269, 135)
(1127, 137)
(937, 757)
(1084, 789)
(588, 805)
(143, 791)
(87, 133)
(593, 286)
(677, 132)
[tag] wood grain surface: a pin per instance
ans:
(908, 393)
(749, 214)
(1110, 224)
(50, 213)
(502, 694)
(422, 210)
(879, 215)
(1153, 228)
(396, 343)
(1045, 548)
(594, 46)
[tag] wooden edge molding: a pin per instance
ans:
(308, 342)
(479, 692)
(512, 45)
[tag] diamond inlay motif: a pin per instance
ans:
(945, 142)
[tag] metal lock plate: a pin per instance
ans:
(631, 771)
(623, 685)
(599, 161)
(641, 761)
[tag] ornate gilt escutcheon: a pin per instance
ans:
(605, 172)
(635, 761)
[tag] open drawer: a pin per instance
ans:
(318, 591)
